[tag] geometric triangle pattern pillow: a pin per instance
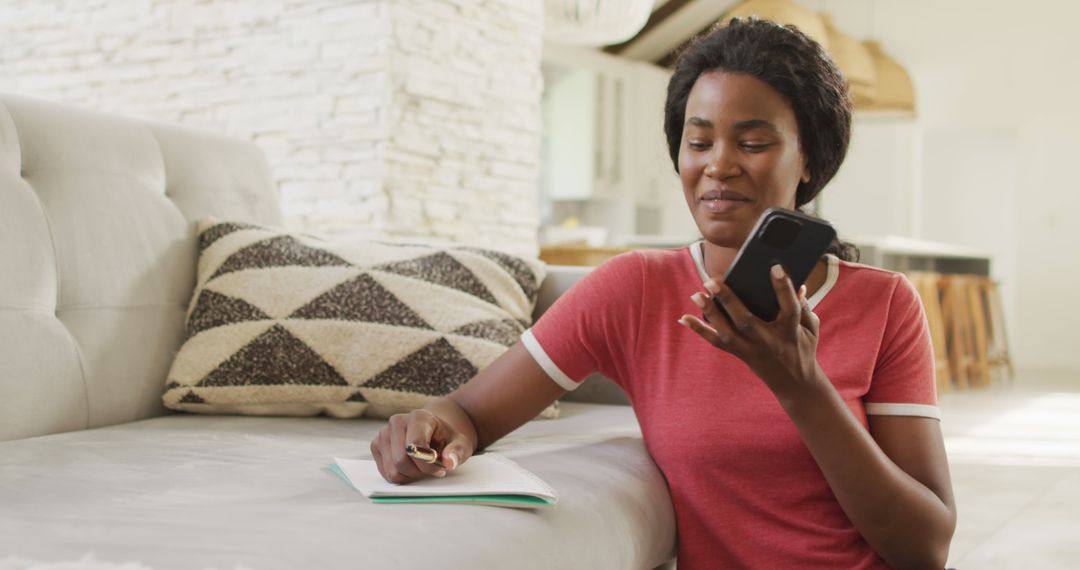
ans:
(288, 324)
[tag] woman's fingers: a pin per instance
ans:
(716, 320)
(743, 322)
(723, 340)
(711, 313)
(376, 454)
(456, 451)
(420, 431)
(397, 462)
(808, 319)
(730, 325)
(424, 430)
(785, 296)
(381, 452)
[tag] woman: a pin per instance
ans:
(811, 441)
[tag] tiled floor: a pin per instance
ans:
(1014, 450)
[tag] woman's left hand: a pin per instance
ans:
(783, 353)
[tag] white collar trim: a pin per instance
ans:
(832, 273)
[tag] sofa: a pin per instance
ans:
(97, 268)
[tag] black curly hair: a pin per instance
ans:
(792, 64)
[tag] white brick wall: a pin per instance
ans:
(412, 119)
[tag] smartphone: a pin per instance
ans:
(794, 240)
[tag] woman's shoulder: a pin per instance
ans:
(647, 259)
(867, 273)
(644, 267)
(664, 256)
(867, 280)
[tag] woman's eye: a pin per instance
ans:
(755, 147)
(698, 145)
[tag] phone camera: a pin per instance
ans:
(779, 233)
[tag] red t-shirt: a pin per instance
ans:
(746, 491)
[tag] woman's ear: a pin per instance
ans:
(805, 174)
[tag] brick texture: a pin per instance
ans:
(399, 119)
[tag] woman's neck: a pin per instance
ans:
(717, 259)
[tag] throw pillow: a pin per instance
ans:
(288, 324)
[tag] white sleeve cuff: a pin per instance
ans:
(920, 410)
(545, 361)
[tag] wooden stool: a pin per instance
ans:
(955, 312)
(980, 366)
(998, 358)
(926, 284)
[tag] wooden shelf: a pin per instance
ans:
(574, 254)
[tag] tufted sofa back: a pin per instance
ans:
(97, 257)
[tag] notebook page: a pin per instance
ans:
(485, 474)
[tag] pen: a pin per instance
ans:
(425, 454)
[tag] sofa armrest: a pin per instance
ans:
(596, 389)
(559, 279)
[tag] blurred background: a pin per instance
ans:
(535, 127)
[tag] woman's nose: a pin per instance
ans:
(722, 164)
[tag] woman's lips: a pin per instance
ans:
(721, 202)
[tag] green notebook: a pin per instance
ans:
(485, 479)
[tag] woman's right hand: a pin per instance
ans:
(423, 429)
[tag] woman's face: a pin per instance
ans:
(739, 155)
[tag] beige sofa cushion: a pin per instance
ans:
(287, 324)
(231, 492)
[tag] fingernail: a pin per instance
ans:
(802, 291)
(683, 322)
(440, 473)
(712, 286)
(698, 300)
(777, 271)
(452, 461)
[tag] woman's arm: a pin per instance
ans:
(514, 388)
(891, 481)
(509, 392)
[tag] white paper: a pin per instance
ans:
(485, 474)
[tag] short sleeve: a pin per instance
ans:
(904, 374)
(592, 327)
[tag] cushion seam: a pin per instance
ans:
(41, 309)
(56, 264)
(119, 174)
